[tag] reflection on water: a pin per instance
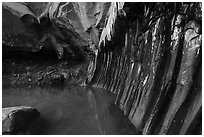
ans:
(70, 110)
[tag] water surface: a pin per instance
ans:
(70, 110)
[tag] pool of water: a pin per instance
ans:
(70, 110)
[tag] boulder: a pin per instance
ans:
(17, 119)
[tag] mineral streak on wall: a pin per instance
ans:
(153, 65)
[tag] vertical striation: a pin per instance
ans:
(153, 66)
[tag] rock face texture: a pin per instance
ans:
(153, 66)
(40, 46)
(148, 55)
(61, 35)
(16, 119)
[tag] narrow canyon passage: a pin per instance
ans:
(104, 67)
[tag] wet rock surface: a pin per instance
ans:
(152, 64)
(28, 68)
(149, 55)
(15, 120)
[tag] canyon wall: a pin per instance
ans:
(148, 55)
(153, 65)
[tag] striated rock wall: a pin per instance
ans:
(147, 54)
(153, 65)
